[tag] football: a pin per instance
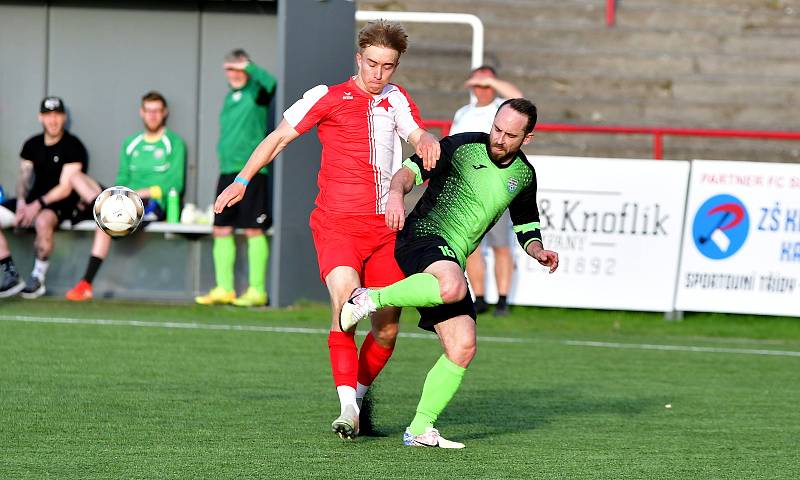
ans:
(118, 211)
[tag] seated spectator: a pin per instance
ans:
(151, 162)
(44, 189)
(10, 283)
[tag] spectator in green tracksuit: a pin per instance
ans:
(151, 162)
(242, 125)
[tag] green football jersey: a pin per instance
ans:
(161, 163)
(468, 193)
(243, 119)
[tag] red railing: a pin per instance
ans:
(611, 6)
(658, 133)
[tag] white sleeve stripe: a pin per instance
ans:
(133, 144)
(295, 114)
(167, 143)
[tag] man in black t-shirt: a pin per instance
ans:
(44, 194)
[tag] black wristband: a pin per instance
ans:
(41, 202)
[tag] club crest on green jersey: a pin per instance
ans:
(512, 184)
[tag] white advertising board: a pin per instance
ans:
(616, 225)
(741, 246)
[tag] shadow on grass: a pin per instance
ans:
(489, 412)
(510, 411)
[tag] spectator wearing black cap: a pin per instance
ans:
(44, 194)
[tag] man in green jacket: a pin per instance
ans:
(151, 163)
(243, 124)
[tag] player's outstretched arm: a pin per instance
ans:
(402, 183)
(265, 152)
(547, 258)
(426, 147)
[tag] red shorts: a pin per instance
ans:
(362, 242)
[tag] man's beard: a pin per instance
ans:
(153, 130)
(500, 157)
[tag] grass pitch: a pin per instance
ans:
(128, 390)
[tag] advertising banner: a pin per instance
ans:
(741, 245)
(616, 225)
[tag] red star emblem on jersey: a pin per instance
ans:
(384, 103)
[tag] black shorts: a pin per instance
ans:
(67, 209)
(254, 211)
(414, 255)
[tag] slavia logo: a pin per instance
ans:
(720, 227)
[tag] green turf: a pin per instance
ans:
(121, 401)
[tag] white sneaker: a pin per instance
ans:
(430, 438)
(358, 307)
(34, 288)
(346, 426)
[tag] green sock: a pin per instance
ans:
(441, 385)
(257, 257)
(418, 290)
(224, 253)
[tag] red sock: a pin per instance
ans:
(344, 358)
(372, 359)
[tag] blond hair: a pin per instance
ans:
(381, 33)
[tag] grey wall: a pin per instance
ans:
(102, 56)
(326, 57)
(102, 82)
(222, 32)
(23, 37)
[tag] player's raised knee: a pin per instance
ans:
(452, 290)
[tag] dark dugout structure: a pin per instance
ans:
(101, 56)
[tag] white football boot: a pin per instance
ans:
(346, 426)
(358, 307)
(430, 438)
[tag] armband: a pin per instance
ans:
(241, 180)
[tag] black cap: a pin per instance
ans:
(51, 104)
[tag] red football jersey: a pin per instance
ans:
(360, 136)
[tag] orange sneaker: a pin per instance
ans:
(81, 292)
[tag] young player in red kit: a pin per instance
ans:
(359, 123)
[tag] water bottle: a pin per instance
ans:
(173, 206)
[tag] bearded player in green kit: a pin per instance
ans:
(477, 177)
